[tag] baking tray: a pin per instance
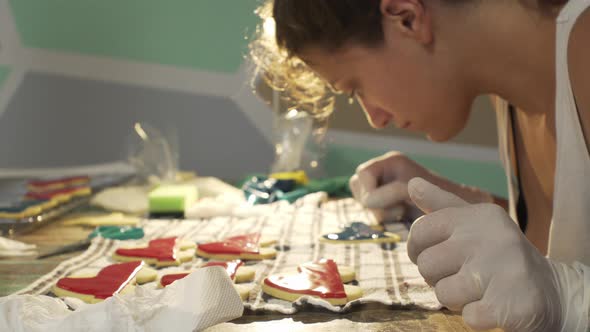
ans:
(11, 227)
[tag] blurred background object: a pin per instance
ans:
(75, 78)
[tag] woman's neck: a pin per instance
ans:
(515, 55)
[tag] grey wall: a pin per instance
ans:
(59, 121)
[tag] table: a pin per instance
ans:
(19, 272)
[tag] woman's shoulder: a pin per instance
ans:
(579, 68)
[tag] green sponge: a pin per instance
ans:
(172, 199)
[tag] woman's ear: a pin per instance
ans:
(409, 17)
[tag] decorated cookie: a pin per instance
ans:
(319, 279)
(111, 280)
(61, 195)
(359, 232)
(235, 270)
(101, 219)
(244, 290)
(347, 273)
(159, 252)
(245, 247)
(145, 275)
(22, 209)
(56, 184)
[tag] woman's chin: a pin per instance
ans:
(438, 138)
(440, 134)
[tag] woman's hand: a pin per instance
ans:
(381, 185)
(480, 263)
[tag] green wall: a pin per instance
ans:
(202, 34)
(4, 71)
(343, 160)
(199, 35)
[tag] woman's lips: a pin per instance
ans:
(403, 124)
(383, 123)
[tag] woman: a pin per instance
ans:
(420, 64)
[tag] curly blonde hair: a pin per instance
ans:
(300, 87)
(293, 25)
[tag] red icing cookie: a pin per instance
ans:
(236, 247)
(235, 269)
(170, 278)
(319, 279)
(54, 184)
(64, 194)
(109, 281)
(160, 249)
(230, 267)
(160, 252)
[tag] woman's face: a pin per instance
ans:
(413, 82)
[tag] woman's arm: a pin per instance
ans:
(503, 202)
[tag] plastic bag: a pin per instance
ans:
(153, 154)
(299, 141)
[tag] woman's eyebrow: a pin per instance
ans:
(306, 61)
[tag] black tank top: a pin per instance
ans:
(521, 209)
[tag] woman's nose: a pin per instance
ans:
(376, 117)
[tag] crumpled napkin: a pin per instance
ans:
(127, 199)
(219, 199)
(213, 187)
(12, 248)
(225, 205)
(204, 298)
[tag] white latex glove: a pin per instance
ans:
(481, 263)
(381, 185)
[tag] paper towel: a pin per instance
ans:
(203, 299)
